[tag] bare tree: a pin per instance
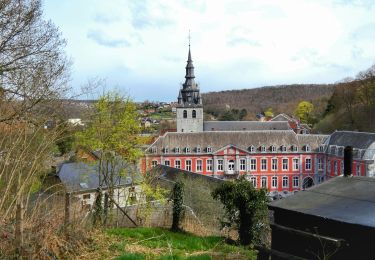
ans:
(33, 65)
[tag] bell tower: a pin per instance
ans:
(189, 107)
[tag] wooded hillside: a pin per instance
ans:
(282, 99)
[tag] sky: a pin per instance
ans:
(140, 47)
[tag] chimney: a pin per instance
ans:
(348, 161)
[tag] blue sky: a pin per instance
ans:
(140, 46)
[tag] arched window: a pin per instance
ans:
(185, 114)
(194, 114)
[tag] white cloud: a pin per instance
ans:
(235, 44)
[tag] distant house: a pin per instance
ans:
(82, 180)
(294, 123)
(336, 219)
(75, 122)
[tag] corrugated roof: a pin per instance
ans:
(244, 125)
(344, 199)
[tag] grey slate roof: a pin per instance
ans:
(244, 125)
(357, 140)
(240, 139)
(344, 199)
(84, 176)
(281, 118)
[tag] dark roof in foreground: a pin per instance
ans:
(343, 199)
(79, 176)
(171, 174)
(244, 125)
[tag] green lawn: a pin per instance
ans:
(157, 243)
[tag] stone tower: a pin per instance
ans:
(189, 107)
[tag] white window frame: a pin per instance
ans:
(341, 166)
(261, 164)
(287, 182)
(273, 164)
(263, 149)
(166, 150)
(253, 181)
(167, 162)
(261, 182)
(198, 150)
(188, 166)
(242, 164)
(177, 164)
(209, 165)
(199, 165)
(209, 149)
(252, 149)
(329, 166)
(187, 150)
(274, 182)
(253, 164)
(177, 149)
(295, 164)
(307, 148)
(287, 164)
(320, 164)
(308, 166)
(220, 165)
(154, 163)
(283, 148)
(273, 148)
(295, 181)
(335, 167)
(358, 169)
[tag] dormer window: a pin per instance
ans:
(166, 150)
(177, 150)
(294, 148)
(187, 149)
(340, 151)
(307, 148)
(283, 148)
(333, 149)
(198, 149)
(252, 149)
(154, 150)
(321, 148)
(209, 149)
(273, 148)
(263, 149)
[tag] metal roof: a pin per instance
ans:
(244, 125)
(81, 176)
(344, 199)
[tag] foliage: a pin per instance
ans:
(304, 112)
(245, 207)
(269, 112)
(178, 200)
(98, 213)
(233, 115)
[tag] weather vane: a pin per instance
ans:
(189, 37)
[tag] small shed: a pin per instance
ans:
(334, 220)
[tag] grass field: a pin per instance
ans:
(157, 243)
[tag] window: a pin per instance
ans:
(328, 165)
(340, 151)
(283, 148)
(263, 149)
(264, 164)
(274, 164)
(285, 182)
(209, 165)
(177, 164)
(358, 169)
(198, 150)
(320, 164)
(333, 149)
(321, 148)
(264, 182)
(253, 181)
(188, 165)
(209, 149)
(335, 167)
(187, 149)
(295, 181)
(307, 148)
(177, 150)
(167, 163)
(285, 164)
(86, 196)
(154, 163)
(252, 149)
(273, 148)
(295, 164)
(220, 165)
(194, 114)
(199, 165)
(154, 149)
(242, 164)
(294, 148)
(166, 150)
(185, 114)
(308, 164)
(274, 182)
(253, 164)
